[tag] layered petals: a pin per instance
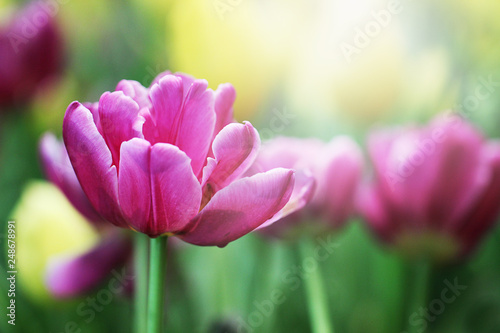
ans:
(241, 207)
(136, 91)
(58, 170)
(157, 189)
(303, 191)
(235, 149)
(177, 119)
(326, 181)
(439, 180)
(225, 95)
(92, 161)
(168, 160)
(119, 121)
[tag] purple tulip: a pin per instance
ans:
(31, 52)
(436, 188)
(168, 160)
(71, 276)
(336, 167)
(58, 170)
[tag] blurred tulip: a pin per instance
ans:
(70, 275)
(31, 53)
(141, 157)
(336, 167)
(436, 188)
(46, 226)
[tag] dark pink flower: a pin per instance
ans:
(436, 188)
(31, 52)
(167, 160)
(336, 168)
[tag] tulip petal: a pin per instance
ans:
(458, 155)
(225, 95)
(370, 206)
(176, 192)
(343, 163)
(180, 119)
(166, 97)
(70, 277)
(118, 116)
(235, 149)
(136, 91)
(92, 162)
(134, 183)
(483, 213)
(94, 109)
(241, 207)
(303, 191)
(187, 80)
(157, 188)
(58, 170)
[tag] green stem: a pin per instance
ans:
(157, 265)
(141, 281)
(315, 291)
(418, 283)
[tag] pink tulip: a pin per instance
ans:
(336, 167)
(31, 52)
(168, 160)
(436, 188)
(58, 170)
(71, 276)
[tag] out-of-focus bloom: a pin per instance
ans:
(74, 275)
(30, 52)
(168, 160)
(46, 226)
(336, 166)
(69, 275)
(436, 188)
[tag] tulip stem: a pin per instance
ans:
(157, 266)
(141, 280)
(418, 283)
(315, 292)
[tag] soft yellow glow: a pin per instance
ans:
(46, 225)
(245, 44)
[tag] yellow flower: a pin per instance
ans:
(46, 225)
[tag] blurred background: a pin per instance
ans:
(316, 68)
